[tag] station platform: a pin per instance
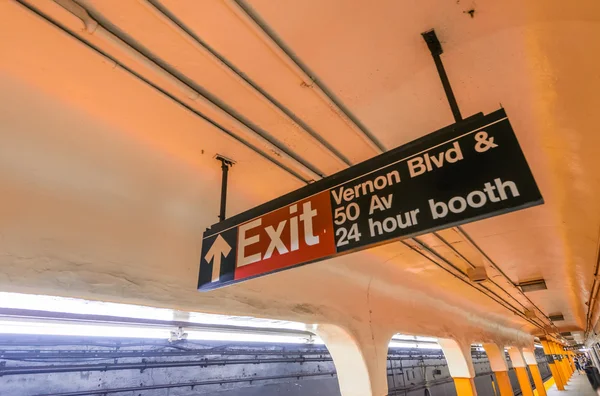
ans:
(578, 386)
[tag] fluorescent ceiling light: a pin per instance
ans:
(429, 346)
(251, 337)
(82, 330)
(400, 344)
(414, 345)
(412, 341)
(79, 306)
(427, 339)
(406, 337)
(87, 307)
(244, 321)
(120, 331)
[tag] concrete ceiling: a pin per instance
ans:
(108, 177)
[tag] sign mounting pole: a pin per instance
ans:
(436, 50)
(225, 164)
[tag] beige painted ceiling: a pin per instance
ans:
(108, 179)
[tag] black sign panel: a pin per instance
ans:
(458, 176)
(465, 172)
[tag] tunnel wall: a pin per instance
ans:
(42, 365)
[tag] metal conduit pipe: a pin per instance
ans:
(449, 245)
(421, 247)
(120, 67)
(207, 52)
(27, 355)
(92, 356)
(287, 59)
(71, 368)
(94, 28)
(210, 55)
(463, 277)
(591, 305)
(488, 292)
(593, 295)
(474, 245)
(190, 384)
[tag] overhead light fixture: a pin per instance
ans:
(250, 337)
(477, 274)
(533, 285)
(137, 331)
(81, 329)
(79, 306)
(556, 317)
(414, 345)
(406, 337)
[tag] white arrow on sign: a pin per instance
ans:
(219, 248)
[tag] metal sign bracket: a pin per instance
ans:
(225, 164)
(436, 50)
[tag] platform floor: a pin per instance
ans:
(578, 385)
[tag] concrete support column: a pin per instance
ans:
(495, 354)
(571, 362)
(566, 359)
(460, 365)
(521, 370)
(529, 356)
(560, 383)
(573, 354)
(561, 364)
(360, 359)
